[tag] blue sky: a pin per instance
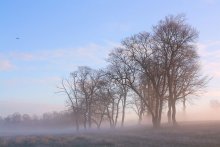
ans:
(56, 36)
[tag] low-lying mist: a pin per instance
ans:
(60, 123)
(186, 134)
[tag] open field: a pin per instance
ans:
(201, 134)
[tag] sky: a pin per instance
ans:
(42, 41)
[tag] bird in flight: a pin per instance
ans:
(17, 38)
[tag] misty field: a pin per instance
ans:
(202, 134)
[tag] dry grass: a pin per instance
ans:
(202, 134)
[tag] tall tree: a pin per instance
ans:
(141, 62)
(69, 87)
(117, 75)
(175, 41)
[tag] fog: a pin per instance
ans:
(191, 133)
(137, 96)
(39, 126)
(196, 127)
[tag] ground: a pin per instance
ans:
(201, 134)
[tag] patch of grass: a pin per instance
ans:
(202, 135)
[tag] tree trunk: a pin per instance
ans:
(156, 122)
(123, 111)
(140, 119)
(90, 119)
(117, 112)
(77, 121)
(89, 115)
(170, 98)
(85, 121)
(174, 114)
(160, 110)
(184, 104)
(100, 122)
(169, 112)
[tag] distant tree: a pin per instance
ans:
(1, 120)
(26, 117)
(16, 118)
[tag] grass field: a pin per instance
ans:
(201, 134)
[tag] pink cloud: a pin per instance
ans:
(5, 65)
(23, 56)
(210, 57)
(215, 104)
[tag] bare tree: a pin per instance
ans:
(141, 62)
(175, 41)
(117, 75)
(161, 68)
(113, 95)
(138, 106)
(81, 89)
(69, 87)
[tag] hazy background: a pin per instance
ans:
(43, 41)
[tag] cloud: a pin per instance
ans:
(212, 93)
(36, 55)
(93, 55)
(23, 56)
(210, 2)
(5, 65)
(46, 80)
(91, 51)
(209, 48)
(215, 104)
(210, 57)
(47, 67)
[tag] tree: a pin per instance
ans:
(69, 87)
(175, 41)
(162, 66)
(142, 63)
(81, 90)
(117, 76)
(139, 108)
(112, 95)
(16, 118)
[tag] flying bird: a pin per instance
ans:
(17, 38)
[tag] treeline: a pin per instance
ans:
(152, 71)
(48, 120)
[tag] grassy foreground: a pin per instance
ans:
(201, 134)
